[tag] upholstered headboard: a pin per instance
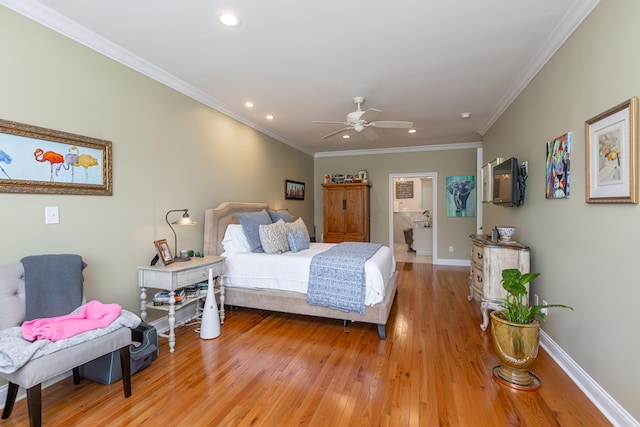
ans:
(216, 221)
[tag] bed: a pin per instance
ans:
(241, 292)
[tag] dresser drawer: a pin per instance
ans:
(477, 254)
(477, 282)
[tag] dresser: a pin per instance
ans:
(176, 276)
(488, 259)
(346, 212)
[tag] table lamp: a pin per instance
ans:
(185, 220)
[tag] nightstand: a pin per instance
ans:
(176, 276)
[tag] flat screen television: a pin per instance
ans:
(508, 188)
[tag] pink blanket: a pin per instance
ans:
(92, 315)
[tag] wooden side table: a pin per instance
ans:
(176, 276)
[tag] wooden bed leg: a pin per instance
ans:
(382, 331)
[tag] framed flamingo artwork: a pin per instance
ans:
(40, 160)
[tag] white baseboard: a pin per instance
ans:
(607, 405)
(454, 262)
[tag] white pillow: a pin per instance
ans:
(235, 240)
(273, 237)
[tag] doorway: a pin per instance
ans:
(413, 216)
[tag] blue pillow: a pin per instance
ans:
(297, 240)
(251, 226)
(283, 215)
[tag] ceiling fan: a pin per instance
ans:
(363, 122)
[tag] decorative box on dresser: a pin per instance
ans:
(346, 212)
(488, 259)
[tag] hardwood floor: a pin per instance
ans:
(272, 369)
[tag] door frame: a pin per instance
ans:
(434, 225)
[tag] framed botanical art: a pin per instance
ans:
(40, 160)
(611, 155)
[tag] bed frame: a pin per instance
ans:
(216, 221)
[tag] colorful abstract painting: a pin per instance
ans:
(461, 196)
(558, 161)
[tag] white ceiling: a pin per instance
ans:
(425, 61)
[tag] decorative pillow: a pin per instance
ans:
(283, 215)
(251, 226)
(235, 240)
(298, 225)
(297, 240)
(274, 237)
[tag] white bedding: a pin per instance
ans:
(290, 271)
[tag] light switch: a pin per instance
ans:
(51, 215)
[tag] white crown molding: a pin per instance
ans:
(396, 150)
(61, 24)
(572, 19)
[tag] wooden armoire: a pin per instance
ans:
(346, 212)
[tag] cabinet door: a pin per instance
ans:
(333, 211)
(355, 213)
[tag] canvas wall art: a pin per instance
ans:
(461, 196)
(557, 171)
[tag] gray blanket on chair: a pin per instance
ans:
(52, 284)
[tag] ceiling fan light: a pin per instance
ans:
(358, 127)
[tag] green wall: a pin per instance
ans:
(587, 253)
(451, 231)
(169, 152)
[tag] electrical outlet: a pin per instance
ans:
(544, 310)
(450, 249)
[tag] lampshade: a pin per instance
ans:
(185, 220)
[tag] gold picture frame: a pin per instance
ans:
(41, 160)
(611, 154)
(164, 251)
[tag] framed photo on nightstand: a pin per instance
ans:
(164, 251)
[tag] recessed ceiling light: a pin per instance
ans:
(412, 131)
(465, 115)
(269, 117)
(346, 136)
(228, 18)
(248, 104)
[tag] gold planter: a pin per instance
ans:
(517, 347)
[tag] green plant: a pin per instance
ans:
(515, 310)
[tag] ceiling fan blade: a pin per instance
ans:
(370, 114)
(324, 122)
(392, 124)
(369, 134)
(335, 133)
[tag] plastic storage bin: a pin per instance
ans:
(144, 350)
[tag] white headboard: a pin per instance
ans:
(216, 221)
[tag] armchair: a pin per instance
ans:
(34, 371)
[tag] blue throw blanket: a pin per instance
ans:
(337, 278)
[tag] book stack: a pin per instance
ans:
(162, 298)
(192, 291)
